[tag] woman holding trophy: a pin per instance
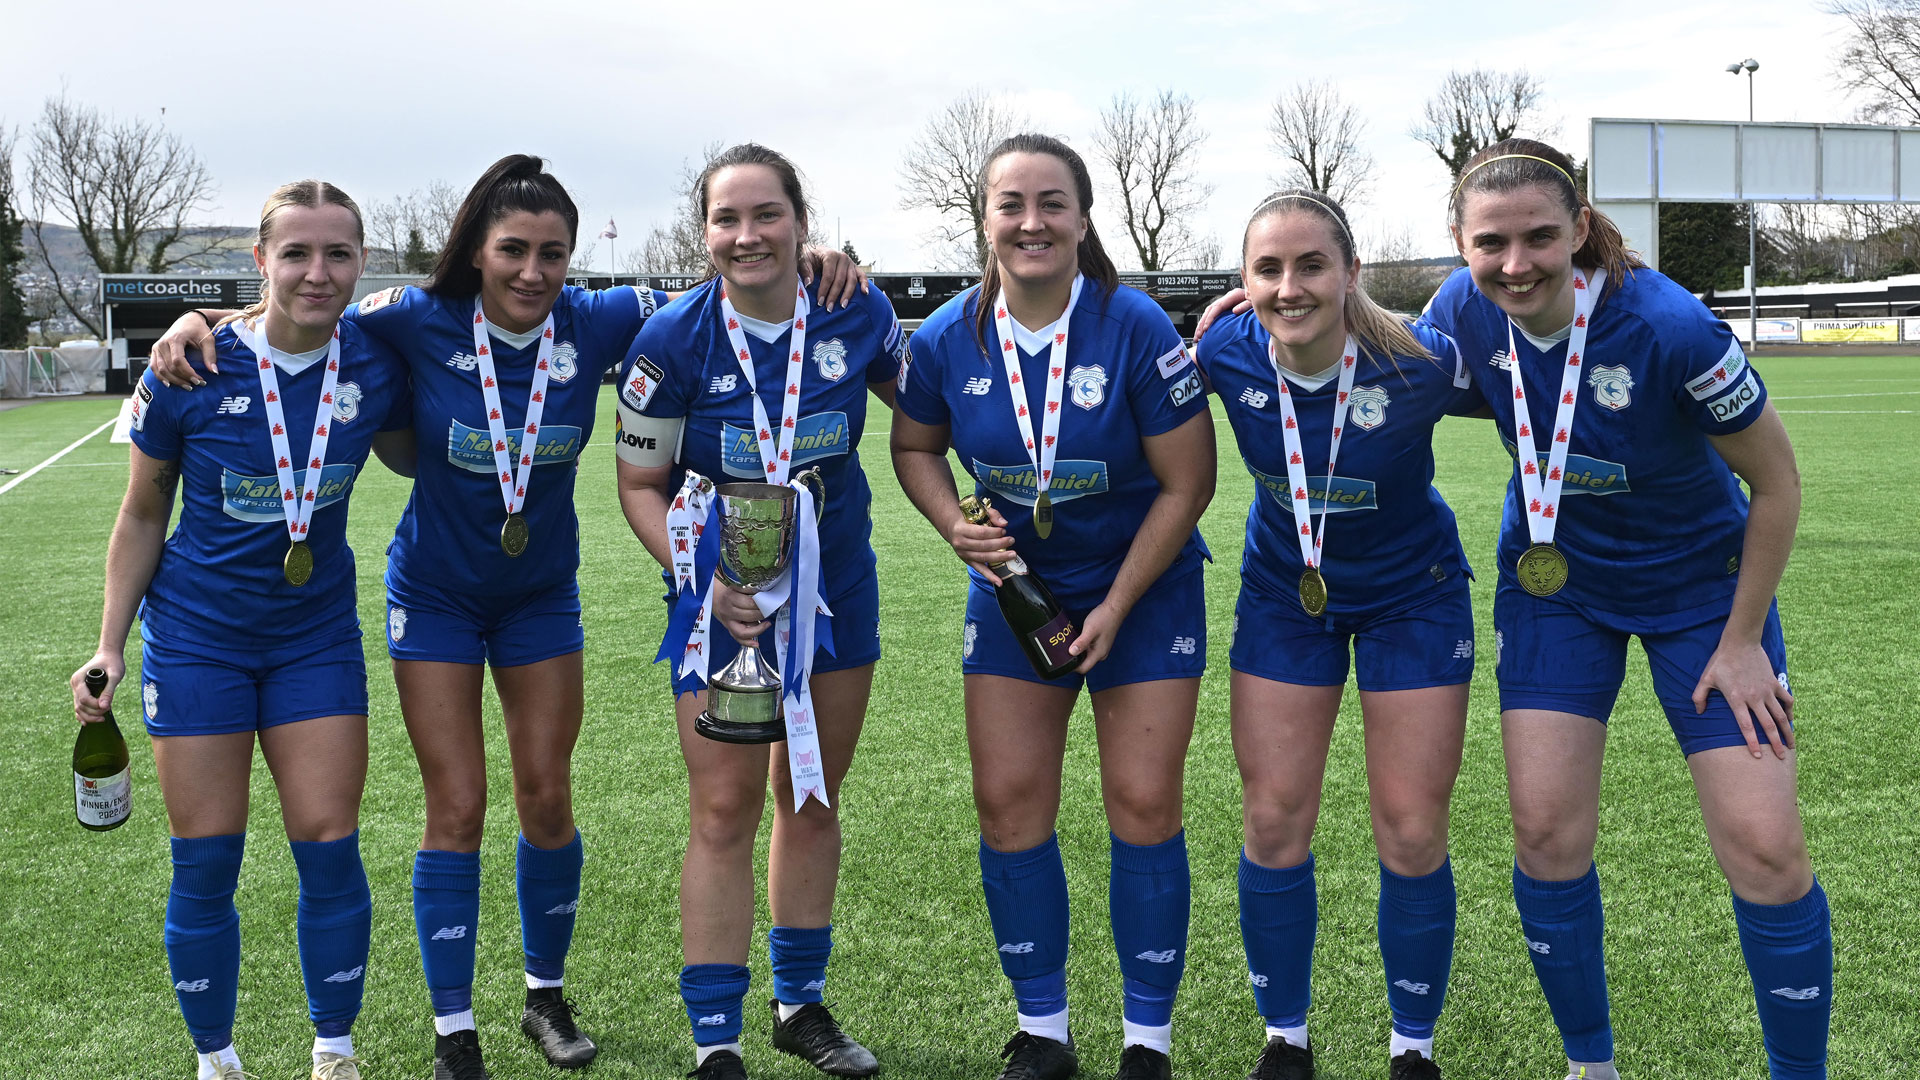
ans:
(1102, 503)
(750, 382)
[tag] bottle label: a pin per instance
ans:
(1054, 637)
(104, 800)
(1015, 565)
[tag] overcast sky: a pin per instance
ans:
(381, 99)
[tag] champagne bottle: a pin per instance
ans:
(1043, 627)
(102, 778)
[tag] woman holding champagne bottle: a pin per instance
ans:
(248, 623)
(1075, 406)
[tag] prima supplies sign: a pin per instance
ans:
(1849, 331)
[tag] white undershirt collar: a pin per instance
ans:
(1548, 342)
(1312, 382)
(511, 339)
(768, 332)
(1033, 341)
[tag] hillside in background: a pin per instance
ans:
(70, 255)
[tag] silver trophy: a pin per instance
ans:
(757, 523)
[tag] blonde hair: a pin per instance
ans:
(1376, 329)
(310, 194)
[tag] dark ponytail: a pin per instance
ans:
(1515, 164)
(1092, 257)
(517, 183)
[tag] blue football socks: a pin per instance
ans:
(1416, 946)
(446, 914)
(334, 921)
(799, 956)
(1789, 951)
(203, 936)
(713, 993)
(1027, 903)
(547, 883)
(1279, 916)
(1563, 924)
(1149, 896)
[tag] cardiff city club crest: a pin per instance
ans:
(830, 356)
(396, 624)
(966, 645)
(1612, 386)
(1369, 405)
(1088, 385)
(150, 698)
(346, 402)
(566, 361)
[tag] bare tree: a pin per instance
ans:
(1396, 276)
(130, 189)
(14, 318)
(941, 170)
(680, 245)
(1476, 109)
(1319, 134)
(1879, 60)
(1149, 149)
(391, 224)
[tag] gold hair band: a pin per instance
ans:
(1331, 212)
(1504, 157)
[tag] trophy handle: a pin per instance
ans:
(811, 478)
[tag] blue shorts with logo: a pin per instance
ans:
(1427, 641)
(427, 622)
(1163, 637)
(200, 691)
(1563, 657)
(856, 637)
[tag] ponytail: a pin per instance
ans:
(1516, 164)
(517, 183)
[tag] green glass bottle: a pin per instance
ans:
(102, 776)
(1042, 626)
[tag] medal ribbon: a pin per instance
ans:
(1543, 496)
(1311, 541)
(513, 480)
(776, 453)
(1042, 456)
(693, 537)
(298, 508)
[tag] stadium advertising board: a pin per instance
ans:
(1848, 331)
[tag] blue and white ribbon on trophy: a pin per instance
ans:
(693, 537)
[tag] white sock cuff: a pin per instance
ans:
(544, 984)
(702, 1053)
(1295, 1035)
(1400, 1044)
(452, 1022)
(1046, 1027)
(1158, 1037)
(343, 1045)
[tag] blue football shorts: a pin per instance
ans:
(856, 637)
(1561, 657)
(198, 691)
(1163, 637)
(428, 622)
(1427, 641)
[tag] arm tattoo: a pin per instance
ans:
(167, 478)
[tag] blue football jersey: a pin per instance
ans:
(1128, 376)
(449, 534)
(694, 374)
(1656, 519)
(1389, 536)
(219, 581)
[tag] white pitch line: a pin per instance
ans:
(1849, 412)
(1877, 393)
(75, 445)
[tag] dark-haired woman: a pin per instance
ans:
(506, 361)
(706, 387)
(1609, 380)
(1073, 403)
(248, 621)
(1349, 550)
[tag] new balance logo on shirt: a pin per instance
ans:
(1256, 398)
(1413, 987)
(723, 385)
(977, 385)
(234, 406)
(1185, 646)
(348, 975)
(1166, 956)
(567, 908)
(1018, 947)
(193, 987)
(449, 933)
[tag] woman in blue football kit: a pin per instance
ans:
(506, 362)
(1333, 401)
(248, 626)
(694, 412)
(1642, 411)
(1100, 499)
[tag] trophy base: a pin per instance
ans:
(732, 731)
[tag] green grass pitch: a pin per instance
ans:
(83, 985)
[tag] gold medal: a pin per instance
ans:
(1043, 516)
(513, 535)
(298, 565)
(1542, 570)
(1313, 592)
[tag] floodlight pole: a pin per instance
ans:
(1750, 65)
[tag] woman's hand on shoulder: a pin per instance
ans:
(839, 276)
(1233, 302)
(89, 709)
(189, 333)
(1744, 675)
(979, 545)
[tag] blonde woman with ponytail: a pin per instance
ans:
(248, 621)
(1349, 550)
